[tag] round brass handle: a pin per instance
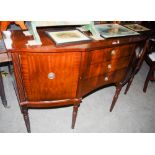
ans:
(106, 78)
(113, 52)
(109, 66)
(51, 75)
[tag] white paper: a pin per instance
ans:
(152, 56)
(27, 33)
(7, 34)
(33, 42)
(8, 43)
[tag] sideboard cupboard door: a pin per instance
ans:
(50, 76)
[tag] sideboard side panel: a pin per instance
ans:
(18, 83)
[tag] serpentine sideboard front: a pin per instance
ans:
(50, 76)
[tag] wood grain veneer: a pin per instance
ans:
(77, 69)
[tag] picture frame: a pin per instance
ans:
(136, 27)
(114, 30)
(64, 37)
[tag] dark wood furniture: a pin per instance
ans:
(138, 59)
(151, 63)
(50, 76)
(5, 60)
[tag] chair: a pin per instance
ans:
(140, 53)
(150, 59)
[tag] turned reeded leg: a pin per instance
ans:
(26, 118)
(2, 93)
(149, 75)
(74, 115)
(117, 92)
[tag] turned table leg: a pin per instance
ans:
(117, 92)
(2, 93)
(26, 118)
(74, 115)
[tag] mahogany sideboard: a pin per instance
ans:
(52, 76)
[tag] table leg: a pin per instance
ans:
(26, 118)
(2, 92)
(149, 75)
(74, 115)
(128, 84)
(117, 92)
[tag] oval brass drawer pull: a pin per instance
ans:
(113, 52)
(51, 75)
(109, 66)
(106, 78)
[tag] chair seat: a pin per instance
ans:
(152, 56)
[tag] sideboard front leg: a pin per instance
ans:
(26, 118)
(74, 115)
(117, 92)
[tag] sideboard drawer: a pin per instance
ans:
(88, 85)
(99, 69)
(98, 56)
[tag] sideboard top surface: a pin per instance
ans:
(20, 41)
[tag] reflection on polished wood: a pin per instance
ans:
(5, 24)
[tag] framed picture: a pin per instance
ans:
(67, 36)
(114, 30)
(136, 27)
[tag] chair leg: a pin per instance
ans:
(149, 75)
(117, 92)
(9, 68)
(128, 85)
(2, 93)
(152, 76)
(74, 115)
(26, 118)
